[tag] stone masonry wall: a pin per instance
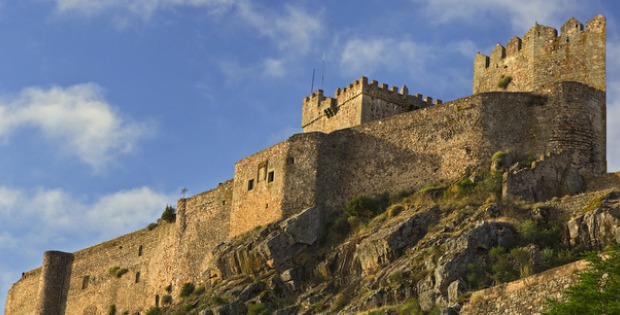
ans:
(524, 296)
(542, 57)
(284, 182)
(203, 221)
(23, 297)
(148, 256)
(258, 189)
(449, 141)
(170, 254)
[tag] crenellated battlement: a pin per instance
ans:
(360, 101)
(545, 56)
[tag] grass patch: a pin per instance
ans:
(117, 271)
(187, 289)
(258, 308)
(154, 310)
(504, 81)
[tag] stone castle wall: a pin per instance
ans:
(357, 103)
(524, 296)
(203, 220)
(283, 181)
(368, 139)
(168, 255)
(23, 297)
(543, 57)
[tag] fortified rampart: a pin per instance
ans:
(524, 296)
(358, 103)
(368, 139)
(543, 57)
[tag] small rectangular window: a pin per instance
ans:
(262, 171)
(270, 177)
(140, 250)
(137, 276)
(290, 160)
(250, 184)
(85, 281)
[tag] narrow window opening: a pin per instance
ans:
(137, 276)
(250, 184)
(290, 160)
(85, 281)
(270, 177)
(262, 171)
(223, 202)
(140, 250)
(157, 300)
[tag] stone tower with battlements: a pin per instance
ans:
(358, 103)
(543, 57)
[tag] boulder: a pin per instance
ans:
(387, 244)
(307, 226)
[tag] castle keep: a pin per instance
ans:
(542, 96)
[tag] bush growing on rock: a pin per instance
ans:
(169, 215)
(187, 289)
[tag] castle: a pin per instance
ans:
(541, 96)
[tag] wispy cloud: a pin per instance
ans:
(367, 55)
(142, 8)
(613, 105)
(522, 13)
(39, 220)
(46, 214)
(77, 119)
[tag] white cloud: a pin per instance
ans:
(77, 119)
(294, 29)
(274, 67)
(368, 55)
(52, 213)
(522, 13)
(613, 126)
(143, 8)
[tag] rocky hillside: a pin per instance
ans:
(420, 252)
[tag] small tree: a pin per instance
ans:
(187, 289)
(597, 290)
(169, 214)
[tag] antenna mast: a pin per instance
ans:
(322, 70)
(312, 85)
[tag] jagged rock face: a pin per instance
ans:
(460, 252)
(423, 253)
(383, 247)
(277, 246)
(599, 226)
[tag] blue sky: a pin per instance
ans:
(108, 108)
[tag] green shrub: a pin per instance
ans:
(504, 81)
(117, 271)
(361, 206)
(166, 299)
(499, 156)
(410, 307)
(394, 210)
(200, 290)
(154, 310)
(217, 300)
(339, 301)
(257, 308)
(596, 292)
(112, 309)
(151, 226)
(187, 289)
(169, 215)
